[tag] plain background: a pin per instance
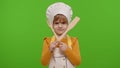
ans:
(23, 27)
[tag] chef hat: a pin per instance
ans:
(58, 8)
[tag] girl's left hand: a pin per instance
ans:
(62, 46)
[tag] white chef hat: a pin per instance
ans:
(58, 8)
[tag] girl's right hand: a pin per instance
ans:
(53, 45)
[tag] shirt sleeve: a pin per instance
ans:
(46, 54)
(74, 54)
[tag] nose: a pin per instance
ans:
(60, 25)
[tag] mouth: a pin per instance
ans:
(60, 29)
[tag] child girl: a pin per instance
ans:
(64, 53)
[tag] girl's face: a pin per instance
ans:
(60, 24)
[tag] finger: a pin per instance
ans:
(61, 43)
(56, 43)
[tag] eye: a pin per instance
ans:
(63, 23)
(56, 23)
